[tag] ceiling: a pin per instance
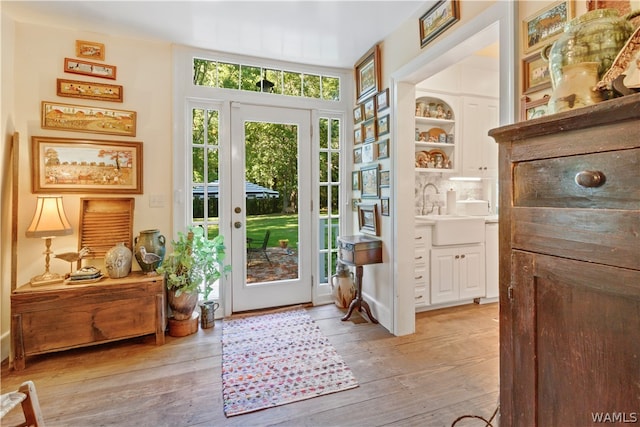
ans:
(321, 32)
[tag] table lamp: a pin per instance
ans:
(48, 221)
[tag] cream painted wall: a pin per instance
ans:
(143, 69)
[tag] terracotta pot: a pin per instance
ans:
(182, 306)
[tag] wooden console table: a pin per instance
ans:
(63, 316)
(358, 251)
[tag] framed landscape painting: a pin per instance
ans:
(368, 74)
(82, 118)
(68, 165)
(546, 25)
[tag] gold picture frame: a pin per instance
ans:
(83, 118)
(367, 71)
(89, 50)
(93, 69)
(535, 74)
(368, 218)
(89, 90)
(546, 25)
(369, 182)
(436, 20)
(69, 165)
(533, 109)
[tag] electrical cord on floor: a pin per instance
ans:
(478, 417)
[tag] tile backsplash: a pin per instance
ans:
(426, 201)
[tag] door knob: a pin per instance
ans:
(237, 209)
(237, 224)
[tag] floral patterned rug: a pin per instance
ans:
(274, 359)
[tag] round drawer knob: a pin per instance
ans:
(590, 179)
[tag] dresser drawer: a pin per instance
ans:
(609, 180)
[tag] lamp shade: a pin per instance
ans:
(49, 219)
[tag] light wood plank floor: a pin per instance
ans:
(448, 368)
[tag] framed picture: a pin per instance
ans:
(369, 108)
(546, 25)
(384, 206)
(81, 118)
(357, 114)
(357, 155)
(535, 73)
(368, 218)
(368, 153)
(368, 74)
(90, 50)
(67, 165)
(355, 180)
(92, 69)
(357, 135)
(369, 179)
(382, 100)
(533, 109)
(369, 130)
(354, 204)
(385, 179)
(79, 89)
(383, 125)
(436, 20)
(383, 149)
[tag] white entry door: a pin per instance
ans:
(271, 197)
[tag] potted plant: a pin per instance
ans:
(283, 243)
(195, 260)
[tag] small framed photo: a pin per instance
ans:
(89, 50)
(384, 206)
(368, 152)
(369, 108)
(385, 179)
(535, 73)
(369, 178)
(546, 25)
(357, 155)
(354, 204)
(357, 114)
(82, 118)
(436, 20)
(67, 165)
(533, 109)
(383, 125)
(89, 90)
(369, 130)
(357, 135)
(382, 100)
(368, 218)
(368, 74)
(383, 149)
(355, 181)
(92, 69)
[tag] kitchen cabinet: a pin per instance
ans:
(457, 273)
(570, 266)
(422, 245)
(479, 150)
(435, 133)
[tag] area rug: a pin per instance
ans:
(274, 359)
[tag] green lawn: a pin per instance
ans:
(282, 226)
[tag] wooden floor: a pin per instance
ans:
(447, 369)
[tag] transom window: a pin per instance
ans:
(227, 75)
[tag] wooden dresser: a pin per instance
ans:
(570, 267)
(60, 316)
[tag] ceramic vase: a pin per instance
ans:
(596, 36)
(154, 250)
(342, 286)
(117, 261)
(576, 88)
(182, 305)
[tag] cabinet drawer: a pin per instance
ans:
(552, 182)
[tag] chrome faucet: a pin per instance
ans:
(424, 198)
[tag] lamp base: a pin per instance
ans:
(46, 279)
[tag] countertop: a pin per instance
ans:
(422, 219)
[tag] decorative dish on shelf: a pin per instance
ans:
(433, 159)
(84, 281)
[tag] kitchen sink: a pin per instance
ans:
(455, 229)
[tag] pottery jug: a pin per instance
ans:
(149, 249)
(207, 314)
(342, 286)
(596, 36)
(117, 261)
(576, 88)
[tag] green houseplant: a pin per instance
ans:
(195, 264)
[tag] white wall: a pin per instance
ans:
(143, 69)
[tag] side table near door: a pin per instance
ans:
(358, 251)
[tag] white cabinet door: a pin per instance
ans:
(479, 150)
(472, 272)
(444, 275)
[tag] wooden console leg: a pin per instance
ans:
(358, 302)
